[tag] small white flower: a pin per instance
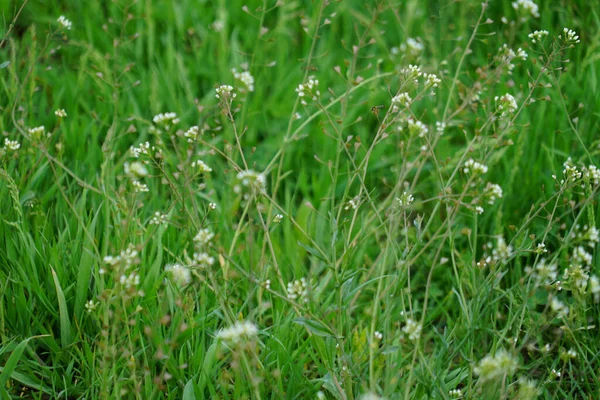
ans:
(526, 7)
(496, 366)
(506, 104)
(11, 145)
(559, 308)
(144, 148)
(492, 192)
(403, 99)
(298, 290)
(592, 174)
(537, 36)
(193, 134)
(239, 333)
(472, 166)
(64, 23)
(91, 306)
(249, 179)
(479, 210)
(204, 236)
(139, 186)
(37, 132)
(202, 167)
(158, 219)
(203, 260)
(245, 77)
(570, 36)
(225, 92)
(405, 199)
(413, 47)
(431, 81)
(60, 113)
(412, 329)
(417, 128)
(212, 206)
(167, 119)
(135, 170)
(308, 89)
(278, 218)
(180, 274)
(377, 335)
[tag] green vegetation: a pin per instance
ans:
(299, 199)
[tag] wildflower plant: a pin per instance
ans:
(255, 201)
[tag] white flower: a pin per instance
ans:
(570, 171)
(455, 393)
(142, 149)
(405, 199)
(413, 47)
(592, 174)
(492, 192)
(440, 127)
(238, 333)
(412, 72)
(545, 273)
(496, 366)
(278, 218)
(502, 252)
(249, 179)
(431, 81)
(298, 290)
(245, 77)
(203, 260)
(417, 128)
(11, 145)
(412, 329)
(403, 99)
(526, 7)
(308, 89)
(193, 133)
(377, 335)
(36, 132)
(212, 206)
(537, 36)
(158, 219)
(139, 186)
(64, 23)
(479, 210)
(474, 167)
(570, 36)
(130, 281)
(559, 308)
(225, 92)
(204, 236)
(507, 104)
(202, 167)
(60, 113)
(90, 306)
(135, 170)
(166, 119)
(581, 256)
(594, 285)
(180, 274)
(217, 26)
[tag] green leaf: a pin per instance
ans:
(65, 323)
(13, 360)
(188, 391)
(315, 327)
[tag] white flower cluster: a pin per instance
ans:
(143, 148)
(417, 128)
(559, 308)
(507, 104)
(412, 47)
(11, 145)
(412, 330)
(245, 77)
(308, 89)
(526, 7)
(127, 257)
(203, 237)
(497, 366)
(592, 174)
(166, 119)
(570, 36)
(238, 333)
(402, 99)
(158, 219)
(440, 127)
(193, 134)
(64, 23)
(405, 199)
(298, 290)
(203, 260)
(60, 113)
(180, 274)
(544, 272)
(37, 132)
(431, 81)
(506, 56)
(455, 393)
(570, 172)
(123, 267)
(254, 181)
(492, 192)
(201, 166)
(472, 166)
(500, 253)
(225, 92)
(537, 36)
(412, 72)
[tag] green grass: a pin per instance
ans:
(74, 326)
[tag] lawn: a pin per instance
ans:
(294, 199)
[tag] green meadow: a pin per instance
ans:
(294, 199)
